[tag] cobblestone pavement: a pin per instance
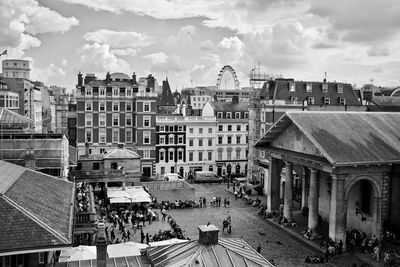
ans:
(246, 224)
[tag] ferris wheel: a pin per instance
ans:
(232, 71)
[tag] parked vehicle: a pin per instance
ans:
(207, 177)
(172, 177)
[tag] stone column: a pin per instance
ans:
(288, 204)
(337, 216)
(123, 185)
(304, 196)
(273, 181)
(313, 200)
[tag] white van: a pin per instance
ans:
(172, 177)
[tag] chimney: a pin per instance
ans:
(120, 146)
(101, 246)
(80, 79)
(134, 78)
(108, 77)
(235, 100)
(208, 234)
(87, 149)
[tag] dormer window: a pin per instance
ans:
(292, 87)
(219, 115)
(327, 101)
(340, 88)
(325, 88)
(308, 87)
(293, 100)
(310, 100)
(229, 115)
(342, 101)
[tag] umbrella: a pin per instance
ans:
(78, 253)
(125, 249)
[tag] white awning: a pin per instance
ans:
(132, 194)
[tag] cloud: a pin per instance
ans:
(378, 51)
(125, 51)
(98, 58)
(64, 62)
(21, 20)
(163, 63)
(46, 74)
(206, 45)
(119, 39)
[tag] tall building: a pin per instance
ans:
(8, 99)
(232, 135)
(117, 110)
(16, 68)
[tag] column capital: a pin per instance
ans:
(288, 162)
(312, 170)
(337, 177)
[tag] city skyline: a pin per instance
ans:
(190, 42)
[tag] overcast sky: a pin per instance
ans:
(353, 41)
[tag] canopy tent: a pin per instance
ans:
(250, 187)
(78, 253)
(168, 242)
(125, 249)
(132, 194)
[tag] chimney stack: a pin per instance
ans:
(208, 234)
(134, 78)
(101, 246)
(235, 100)
(80, 79)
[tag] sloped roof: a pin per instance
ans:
(36, 209)
(227, 252)
(345, 138)
(121, 153)
(132, 261)
(229, 106)
(8, 117)
(167, 98)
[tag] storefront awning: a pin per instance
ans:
(132, 194)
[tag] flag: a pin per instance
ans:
(4, 52)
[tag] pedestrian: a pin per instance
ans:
(327, 255)
(106, 232)
(201, 202)
(377, 251)
(117, 241)
(204, 202)
(340, 247)
(112, 235)
(259, 248)
(142, 236)
(128, 234)
(386, 258)
(229, 229)
(164, 214)
(147, 238)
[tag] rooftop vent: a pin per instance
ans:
(208, 234)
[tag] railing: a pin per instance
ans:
(181, 118)
(153, 186)
(99, 173)
(85, 217)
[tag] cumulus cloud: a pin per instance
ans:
(46, 74)
(125, 51)
(120, 39)
(64, 62)
(378, 51)
(21, 20)
(98, 58)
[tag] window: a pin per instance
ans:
(247, 127)
(89, 91)
(210, 130)
(229, 115)
(210, 142)
(219, 140)
(190, 156)
(102, 91)
(171, 155)
(146, 137)
(310, 100)
(128, 119)
(115, 91)
(237, 115)
(229, 128)
(102, 135)
(238, 128)
(172, 169)
(325, 88)
(200, 156)
(115, 106)
(162, 128)
(229, 154)
(146, 154)
(171, 140)
(191, 130)
(220, 128)
(88, 136)
(246, 115)
(180, 139)
(190, 142)
(340, 88)
(237, 139)
(146, 121)
(247, 139)
(220, 154)
(219, 115)
(115, 119)
(88, 120)
(41, 257)
(209, 156)
(7, 261)
(238, 154)
(292, 87)
(20, 260)
(180, 128)
(200, 142)
(229, 139)
(171, 128)
(115, 136)
(88, 105)
(200, 130)
(102, 106)
(128, 137)
(128, 106)
(162, 170)
(96, 166)
(128, 92)
(162, 155)
(146, 106)
(327, 101)
(162, 140)
(308, 87)
(342, 101)
(180, 154)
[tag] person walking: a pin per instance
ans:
(142, 236)
(112, 235)
(259, 248)
(204, 202)
(147, 238)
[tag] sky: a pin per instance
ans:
(353, 41)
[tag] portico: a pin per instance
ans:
(346, 171)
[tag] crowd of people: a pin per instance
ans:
(82, 197)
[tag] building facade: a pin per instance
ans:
(16, 68)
